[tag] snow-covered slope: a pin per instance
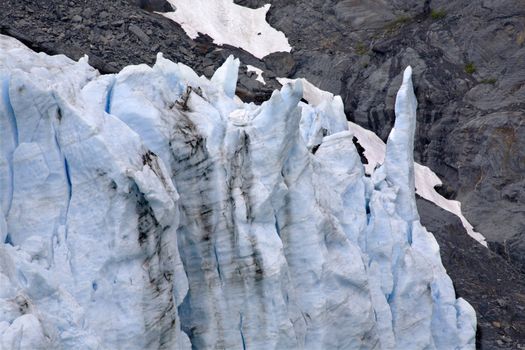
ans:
(426, 180)
(229, 23)
(153, 209)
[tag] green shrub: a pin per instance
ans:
(470, 68)
(490, 81)
(361, 49)
(438, 14)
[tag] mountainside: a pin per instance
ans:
(468, 79)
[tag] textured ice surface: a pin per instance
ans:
(426, 180)
(152, 209)
(229, 23)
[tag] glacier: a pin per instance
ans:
(153, 209)
(374, 149)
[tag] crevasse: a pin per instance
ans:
(194, 220)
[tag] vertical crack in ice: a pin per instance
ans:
(184, 310)
(409, 233)
(367, 211)
(277, 229)
(10, 112)
(8, 240)
(241, 332)
(69, 187)
(67, 174)
(217, 262)
(14, 130)
(109, 96)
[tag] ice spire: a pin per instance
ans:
(399, 159)
(226, 75)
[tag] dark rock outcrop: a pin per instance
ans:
(154, 5)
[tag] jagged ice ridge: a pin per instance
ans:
(152, 209)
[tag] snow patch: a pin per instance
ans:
(311, 93)
(229, 23)
(257, 71)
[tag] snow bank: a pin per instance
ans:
(229, 23)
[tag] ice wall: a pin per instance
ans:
(153, 209)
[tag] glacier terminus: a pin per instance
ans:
(153, 209)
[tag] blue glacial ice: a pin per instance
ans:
(152, 209)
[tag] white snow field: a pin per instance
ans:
(229, 23)
(152, 209)
(426, 180)
(257, 71)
